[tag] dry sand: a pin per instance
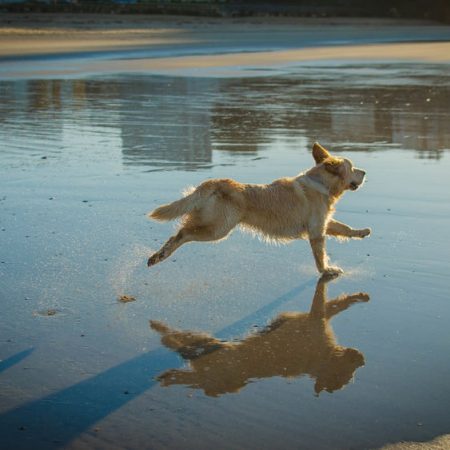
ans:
(440, 443)
(436, 52)
(33, 42)
(43, 34)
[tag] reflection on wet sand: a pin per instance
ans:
(180, 123)
(293, 345)
(361, 116)
(168, 124)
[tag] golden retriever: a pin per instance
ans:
(299, 207)
(293, 345)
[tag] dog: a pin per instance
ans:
(293, 345)
(299, 207)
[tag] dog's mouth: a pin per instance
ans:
(354, 185)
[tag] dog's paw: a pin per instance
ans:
(154, 259)
(362, 297)
(170, 377)
(363, 233)
(332, 272)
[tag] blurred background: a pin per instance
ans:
(111, 108)
(423, 9)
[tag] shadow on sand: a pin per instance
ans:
(15, 359)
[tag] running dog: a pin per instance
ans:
(299, 207)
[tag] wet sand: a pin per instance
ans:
(85, 157)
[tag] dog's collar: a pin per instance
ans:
(314, 183)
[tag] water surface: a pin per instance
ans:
(83, 160)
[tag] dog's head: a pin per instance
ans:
(338, 173)
(338, 369)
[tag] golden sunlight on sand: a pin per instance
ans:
(427, 52)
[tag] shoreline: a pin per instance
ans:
(232, 65)
(22, 35)
(59, 45)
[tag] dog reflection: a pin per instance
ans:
(294, 344)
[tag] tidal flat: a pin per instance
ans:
(85, 156)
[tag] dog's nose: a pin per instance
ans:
(363, 173)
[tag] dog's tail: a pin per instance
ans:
(188, 344)
(193, 199)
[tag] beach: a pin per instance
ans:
(104, 118)
(168, 45)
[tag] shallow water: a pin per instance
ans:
(83, 160)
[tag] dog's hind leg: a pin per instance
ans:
(167, 249)
(214, 221)
(189, 233)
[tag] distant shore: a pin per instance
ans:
(168, 44)
(237, 8)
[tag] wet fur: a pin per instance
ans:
(299, 207)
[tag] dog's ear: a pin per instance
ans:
(335, 166)
(319, 153)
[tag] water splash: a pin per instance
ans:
(125, 272)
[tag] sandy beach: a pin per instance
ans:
(171, 45)
(103, 118)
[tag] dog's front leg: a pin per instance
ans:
(341, 303)
(335, 228)
(318, 308)
(321, 258)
